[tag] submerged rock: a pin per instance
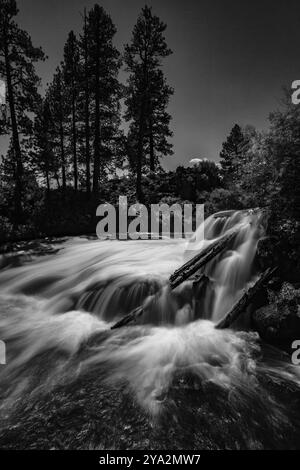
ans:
(279, 321)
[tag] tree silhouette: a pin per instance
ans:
(17, 58)
(102, 69)
(84, 48)
(147, 93)
(59, 108)
(43, 156)
(71, 72)
(232, 153)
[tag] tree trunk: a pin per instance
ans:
(47, 180)
(62, 139)
(199, 284)
(87, 113)
(151, 146)
(74, 140)
(139, 192)
(63, 162)
(57, 179)
(186, 272)
(200, 260)
(246, 299)
(96, 174)
(15, 134)
(141, 135)
(140, 150)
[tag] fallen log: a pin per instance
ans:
(246, 299)
(130, 318)
(199, 282)
(200, 260)
(184, 273)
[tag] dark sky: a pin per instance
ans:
(230, 60)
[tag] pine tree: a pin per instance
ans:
(147, 93)
(84, 48)
(232, 153)
(7, 180)
(17, 58)
(71, 71)
(158, 123)
(84, 109)
(44, 158)
(59, 108)
(103, 65)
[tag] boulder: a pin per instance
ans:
(278, 322)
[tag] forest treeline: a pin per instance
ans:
(90, 138)
(72, 136)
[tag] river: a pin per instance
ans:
(170, 381)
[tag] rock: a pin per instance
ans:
(279, 321)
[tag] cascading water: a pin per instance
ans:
(231, 271)
(56, 313)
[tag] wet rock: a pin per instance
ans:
(279, 321)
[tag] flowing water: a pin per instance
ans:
(56, 312)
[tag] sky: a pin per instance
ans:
(230, 59)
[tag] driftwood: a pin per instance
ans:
(184, 273)
(130, 318)
(245, 300)
(199, 281)
(200, 260)
(190, 270)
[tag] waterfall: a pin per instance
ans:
(110, 278)
(59, 308)
(232, 271)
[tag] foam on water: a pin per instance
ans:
(59, 305)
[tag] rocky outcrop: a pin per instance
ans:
(279, 321)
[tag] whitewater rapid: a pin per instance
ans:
(61, 308)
